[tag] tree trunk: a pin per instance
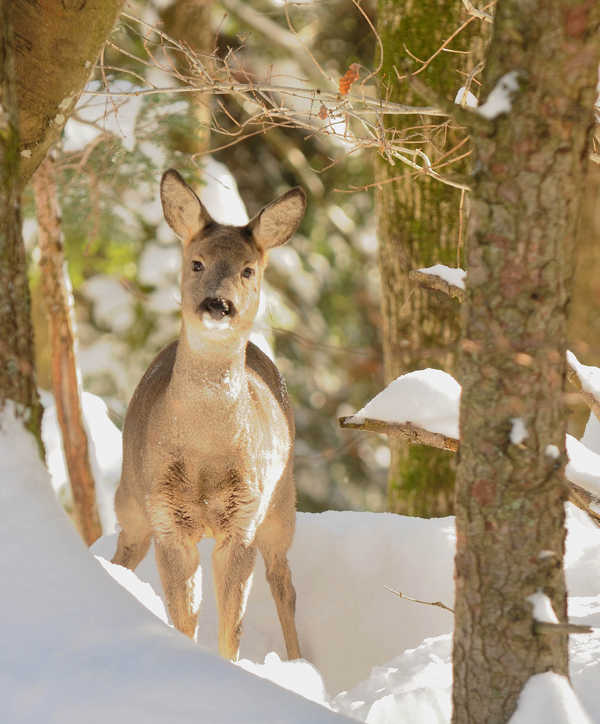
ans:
(17, 378)
(65, 382)
(417, 226)
(510, 487)
(188, 21)
(57, 44)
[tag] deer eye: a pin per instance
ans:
(248, 272)
(197, 265)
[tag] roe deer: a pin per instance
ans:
(209, 433)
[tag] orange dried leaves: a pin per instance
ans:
(349, 78)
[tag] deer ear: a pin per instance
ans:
(183, 210)
(276, 223)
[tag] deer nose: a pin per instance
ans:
(217, 307)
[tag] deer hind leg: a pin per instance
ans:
(135, 535)
(177, 561)
(233, 564)
(274, 539)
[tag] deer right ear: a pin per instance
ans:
(183, 210)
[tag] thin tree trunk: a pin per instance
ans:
(65, 382)
(17, 377)
(417, 226)
(188, 21)
(511, 488)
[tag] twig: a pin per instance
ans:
(273, 31)
(583, 499)
(439, 604)
(475, 12)
(432, 281)
(412, 433)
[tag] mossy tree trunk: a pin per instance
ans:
(511, 489)
(417, 226)
(17, 377)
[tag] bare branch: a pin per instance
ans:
(475, 12)
(546, 627)
(412, 433)
(439, 604)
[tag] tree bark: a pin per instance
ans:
(188, 21)
(417, 226)
(528, 179)
(65, 381)
(57, 43)
(17, 377)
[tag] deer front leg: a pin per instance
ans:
(177, 563)
(233, 563)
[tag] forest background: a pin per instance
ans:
(323, 311)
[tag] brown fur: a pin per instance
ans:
(209, 433)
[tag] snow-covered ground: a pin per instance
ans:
(77, 646)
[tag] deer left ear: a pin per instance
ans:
(276, 223)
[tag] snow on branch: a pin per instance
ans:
(450, 281)
(442, 279)
(423, 408)
(408, 431)
(586, 379)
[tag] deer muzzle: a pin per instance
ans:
(217, 307)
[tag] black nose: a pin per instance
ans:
(217, 307)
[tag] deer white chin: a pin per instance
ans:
(218, 324)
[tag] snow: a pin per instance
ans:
(552, 451)
(104, 448)
(500, 99)
(518, 431)
(77, 647)
(583, 467)
(466, 98)
(113, 305)
(220, 194)
(116, 115)
(591, 436)
(428, 398)
(549, 698)
(452, 275)
(92, 652)
(379, 550)
(542, 607)
(589, 376)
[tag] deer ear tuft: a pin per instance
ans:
(276, 223)
(183, 210)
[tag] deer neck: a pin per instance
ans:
(212, 372)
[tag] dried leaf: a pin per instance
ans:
(349, 77)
